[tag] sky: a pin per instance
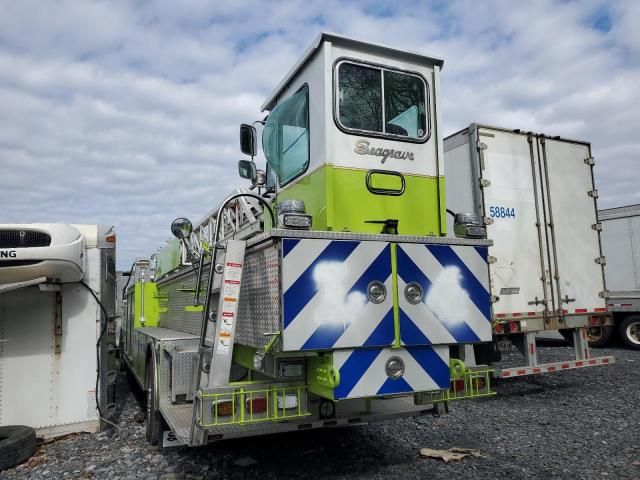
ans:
(126, 113)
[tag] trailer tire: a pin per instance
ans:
(630, 331)
(154, 418)
(599, 336)
(17, 444)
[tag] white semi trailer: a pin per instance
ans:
(537, 198)
(621, 247)
(56, 326)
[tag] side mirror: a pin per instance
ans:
(247, 169)
(181, 228)
(248, 140)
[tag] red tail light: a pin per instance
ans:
(513, 327)
(458, 385)
(256, 405)
(498, 328)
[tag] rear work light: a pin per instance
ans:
(222, 408)
(256, 405)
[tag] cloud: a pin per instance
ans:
(127, 113)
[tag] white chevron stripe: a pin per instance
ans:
(299, 259)
(373, 378)
(416, 376)
(424, 319)
(372, 314)
(463, 310)
(312, 315)
(474, 262)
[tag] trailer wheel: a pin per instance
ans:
(154, 418)
(17, 444)
(630, 332)
(600, 336)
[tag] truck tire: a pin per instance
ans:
(17, 444)
(154, 418)
(599, 336)
(630, 331)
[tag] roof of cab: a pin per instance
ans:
(344, 41)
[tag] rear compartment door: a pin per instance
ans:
(510, 187)
(454, 305)
(325, 287)
(572, 211)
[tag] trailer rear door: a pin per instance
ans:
(510, 187)
(570, 202)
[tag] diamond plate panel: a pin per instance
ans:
(260, 300)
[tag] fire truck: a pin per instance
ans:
(328, 293)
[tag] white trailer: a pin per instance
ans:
(537, 198)
(621, 248)
(56, 326)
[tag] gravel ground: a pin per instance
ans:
(576, 424)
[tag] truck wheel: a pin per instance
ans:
(154, 419)
(630, 332)
(599, 337)
(17, 444)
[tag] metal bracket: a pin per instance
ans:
(484, 183)
(491, 259)
(487, 220)
(495, 298)
(597, 227)
(601, 260)
(590, 161)
(566, 299)
(482, 146)
(58, 324)
(603, 294)
(593, 193)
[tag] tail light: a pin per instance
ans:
(498, 328)
(256, 405)
(479, 383)
(458, 385)
(513, 327)
(222, 408)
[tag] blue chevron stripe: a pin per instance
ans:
(391, 386)
(288, 244)
(410, 334)
(380, 269)
(478, 294)
(483, 252)
(353, 369)
(409, 270)
(384, 333)
(305, 288)
(431, 362)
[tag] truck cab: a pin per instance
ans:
(353, 131)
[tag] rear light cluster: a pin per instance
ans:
(228, 408)
(507, 327)
(253, 405)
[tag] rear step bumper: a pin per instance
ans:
(552, 367)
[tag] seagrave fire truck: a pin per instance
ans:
(327, 295)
